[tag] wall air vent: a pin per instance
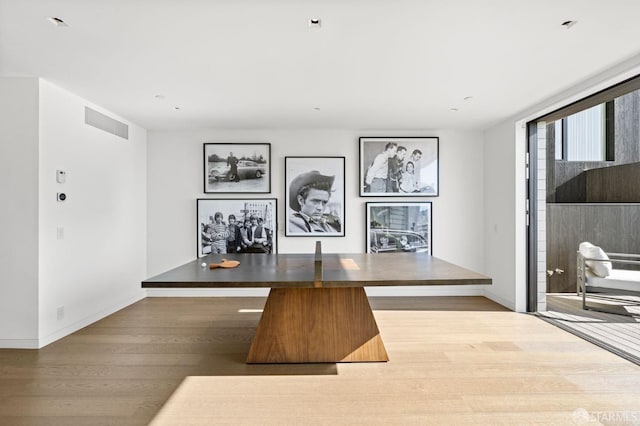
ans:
(108, 124)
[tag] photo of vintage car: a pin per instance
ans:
(392, 240)
(246, 170)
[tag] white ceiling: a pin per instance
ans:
(374, 64)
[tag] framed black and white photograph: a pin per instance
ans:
(236, 226)
(397, 227)
(237, 167)
(399, 167)
(314, 192)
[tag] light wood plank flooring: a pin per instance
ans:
(180, 361)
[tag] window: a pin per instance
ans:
(583, 136)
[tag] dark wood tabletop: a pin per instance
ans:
(337, 270)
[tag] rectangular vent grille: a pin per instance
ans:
(108, 124)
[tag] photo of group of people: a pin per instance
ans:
(236, 226)
(399, 166)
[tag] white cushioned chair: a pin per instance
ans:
(595, 273)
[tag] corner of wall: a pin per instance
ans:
(501, 228)
(19, 214)
(92, 245)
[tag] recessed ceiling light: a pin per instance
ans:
(454, 109)
(315, 23)
(160, 97)
(569, 24)
(467, 98)
(316, 108)
(57, 21)
(177, 108)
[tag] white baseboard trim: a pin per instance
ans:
(19, 344)
(58, 334)
(509, 304)
(408, 291)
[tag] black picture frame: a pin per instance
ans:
(384, 176)
(260, 208)
(320, 173)
(252, 163)
(389, 224)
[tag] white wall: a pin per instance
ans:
(175, 182)
(19, 212)
(97, 267)
(503, 187)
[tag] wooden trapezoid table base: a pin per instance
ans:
(317, 325)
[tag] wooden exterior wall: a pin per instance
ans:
(614, 227)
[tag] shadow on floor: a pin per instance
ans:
(619, 334)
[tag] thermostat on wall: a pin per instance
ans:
(61, 176)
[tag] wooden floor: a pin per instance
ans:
(618, 333)
(180, 361)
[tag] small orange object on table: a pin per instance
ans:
(225, 263)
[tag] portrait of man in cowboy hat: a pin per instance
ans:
(312, 209)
